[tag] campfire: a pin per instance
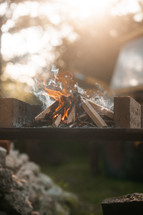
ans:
(70, 105)
(66, 105)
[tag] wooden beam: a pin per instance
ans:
(71, 117)
(58, 120)
(46, 111)
(127, 112)
(16, 113)
(101, 109)
(92, 113)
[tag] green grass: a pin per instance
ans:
(75, 176)
(68, 164)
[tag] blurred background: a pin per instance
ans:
(83, 37)
(97, 41)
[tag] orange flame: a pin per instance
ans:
(54, 94)
(57, 95)
(66, 110)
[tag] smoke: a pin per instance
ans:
(64, 82)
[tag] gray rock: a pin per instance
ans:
(26, 184)
(29, 166)
(28, 175)
(18, 202)
(5, 180)
(45, 181)
(12, 161)
(56, 192)
(62, 210)
(2, 156)
(15, 160)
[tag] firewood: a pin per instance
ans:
(127, 112)
(101, 109)
(92, 113)
(58, 120)
(71, 117)
(46, 111)
(82, 116)
(72, 125)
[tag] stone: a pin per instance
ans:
(17, 201)
(5, 180)
(12, 161)
(24, 190)
(2, 156)
(62, 210)
(55, 192)
(44, 180)
(15, 160)
(29, 166)
(127, 112)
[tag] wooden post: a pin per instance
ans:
(127, 112)
(15, 113)
(131, 204)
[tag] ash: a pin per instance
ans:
(24, 190)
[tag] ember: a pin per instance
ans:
(71, 106)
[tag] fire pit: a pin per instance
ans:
(86, 134)
(17, 122)
(71, 113)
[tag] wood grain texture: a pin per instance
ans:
(93, 114)
(127, 112)
(101, 109)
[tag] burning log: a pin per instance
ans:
(127, 112)
(101, 109)
(93, 114)
(46, 111)
(71, 117)
(58, 120)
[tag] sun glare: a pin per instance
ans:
(40, 44)
(87, 8)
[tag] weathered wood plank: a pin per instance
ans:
(101, 109)
(15, 113)
(46, 111)
(71, 117)
(93, 114)
(58, 120)
(127, 112)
